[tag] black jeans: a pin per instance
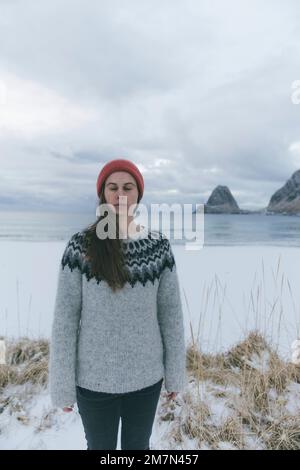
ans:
(101, 412)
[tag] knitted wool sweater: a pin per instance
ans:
(117, 342)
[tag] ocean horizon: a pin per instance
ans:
(219, 229)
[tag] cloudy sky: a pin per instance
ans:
(196, 93)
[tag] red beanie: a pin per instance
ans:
(121, 164)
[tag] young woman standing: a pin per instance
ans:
(118, 328)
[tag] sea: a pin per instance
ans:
(215, 229)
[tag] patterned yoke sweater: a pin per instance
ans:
(117, 342)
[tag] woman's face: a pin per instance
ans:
(120, 183)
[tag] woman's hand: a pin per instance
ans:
(172, 395)
(68, 409)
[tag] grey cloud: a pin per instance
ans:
(180, 81)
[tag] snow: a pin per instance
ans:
(225, 291)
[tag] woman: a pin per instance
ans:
(118, 325)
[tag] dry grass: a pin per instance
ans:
(25, 350)
(26, 361)
(283, 434)
(244, 350)
(257, 372)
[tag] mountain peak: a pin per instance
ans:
(221, 201)
(287, 198)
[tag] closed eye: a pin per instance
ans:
(126, 189)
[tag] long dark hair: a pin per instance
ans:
(105, 256)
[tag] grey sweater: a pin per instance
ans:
(117, 342)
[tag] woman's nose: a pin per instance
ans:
(120, 194)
